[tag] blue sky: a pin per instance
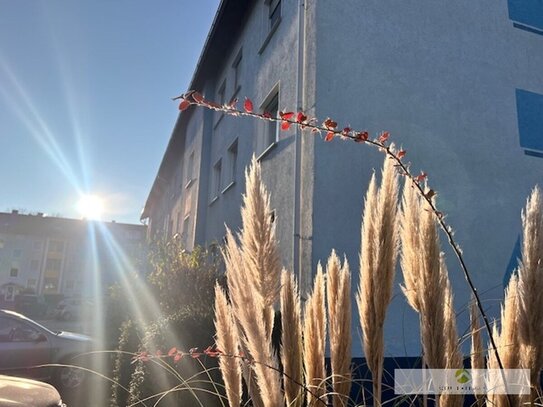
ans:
(85, 98)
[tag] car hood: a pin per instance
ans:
(74, 336)
(27, 393)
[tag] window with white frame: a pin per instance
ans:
(216, 180)
(185, 232)
(190, 170)
(178, 227)
(236, 67)
(232, 162)
(221, 93)
(270, 132)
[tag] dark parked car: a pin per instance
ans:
(16, 391)
(25, 345)
(71, 309)
(31, 305)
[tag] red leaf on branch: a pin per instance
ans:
(330, 124)
(178, 357)
(248, 105)
(158, 353)
(421, 177)
(361, 136)
(198, 98)
(346, 131)
(300, 117)
(172, 351)
(286, 115)
(184, 105)
(329, 136)
(285, 125)
(143, 356)
(383, 137)
(401, 154)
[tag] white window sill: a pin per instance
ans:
(213, 200)
(189, 183)
(230, 185)
(266, 151)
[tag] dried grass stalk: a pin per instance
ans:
(227, 341)
(260, 251)
(338, 293)
(427, 286)
(410, 243)
(314, 327)
(291, 340)
(507, 342)
(530, 287)
(453, 355)
(477, 350)
(378, 259)
(253, 274)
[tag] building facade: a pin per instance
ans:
(457, 84)
(61, 257)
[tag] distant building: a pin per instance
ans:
(458, 84)
(54, 256)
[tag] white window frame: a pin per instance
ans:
(269, 136)
(216, 174)
(190, 170)
(236, 67)
(232, 153)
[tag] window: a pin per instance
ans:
(216, 181)
(185, 232)
(232, 162)
(17, 253)
(236, 66)
(56, 246)
(31, 283)
(50, 285)
(271, 128)
(530, 122)
(177, 224)
(69, 285)
(34, 265)
(15, 331)
(274, 13)
(52, 265)
(1, 243)
(190, 170)
(14, 272)
(36, 245)
(221, 93)
(274, 18)
(527, 15)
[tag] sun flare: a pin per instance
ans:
(90, 207)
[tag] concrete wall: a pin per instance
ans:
(441, 77)
(268, 62)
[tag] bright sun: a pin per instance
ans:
(90, 207)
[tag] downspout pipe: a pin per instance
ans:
(296, 255)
